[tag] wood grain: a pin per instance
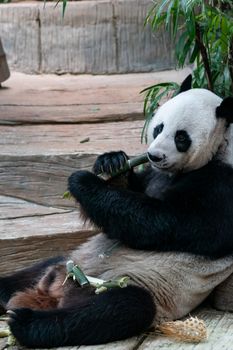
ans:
(35, 162)
(94, 37)
(90, 113)
(31, 232)
(50, 139)
(77, 99)
(220, 334)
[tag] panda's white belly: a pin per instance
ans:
(178, 281)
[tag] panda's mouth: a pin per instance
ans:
(160, 162)
(163, 166)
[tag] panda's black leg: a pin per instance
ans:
(23, 279)
(110, 316)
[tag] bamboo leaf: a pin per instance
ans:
(64, 7)
(204, 32)
(194, 54)
(175, 19)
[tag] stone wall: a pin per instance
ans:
(96, 36)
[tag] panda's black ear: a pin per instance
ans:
(187, 84)
(225, 110)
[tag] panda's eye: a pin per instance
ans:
(182, 140)
(157, 130)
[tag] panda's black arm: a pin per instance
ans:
(138, 181)
(139, 221)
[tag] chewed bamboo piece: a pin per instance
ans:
(130, 163)
(192, 330)
(75, 272)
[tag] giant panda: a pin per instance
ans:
(172, 225)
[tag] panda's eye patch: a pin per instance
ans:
(182, 140)
(157, 130)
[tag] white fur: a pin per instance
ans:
(178, 282)
(194, 111)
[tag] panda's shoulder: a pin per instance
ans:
(223, 174)
(220, 171)
(216, 176)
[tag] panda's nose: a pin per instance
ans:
(155, 158)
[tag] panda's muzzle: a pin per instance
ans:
(155, 158)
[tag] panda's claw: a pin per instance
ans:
(110, 162)
(22, 315)
(11, 313)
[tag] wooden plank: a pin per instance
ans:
(220, 337)
(31, 169)
(95, 113)
(72, 99)
(41, 179)
(18, 251)
(47, 89)
(31, 232)
(68, 94)
(66, 222)
(128, 344)
(220, 334)
(14, 208)
(35, 162)
(67, 139)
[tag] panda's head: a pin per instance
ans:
(189, 129)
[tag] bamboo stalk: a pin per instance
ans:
(204, 56)
(131, 163)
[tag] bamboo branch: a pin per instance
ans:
(204, 56)
(230, 62)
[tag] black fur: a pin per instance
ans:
(194, 214)
(110, 162)
(182, 140)
(186, 84)
(225, 110)
(157, 130)
(113, 315)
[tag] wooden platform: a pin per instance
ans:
(43, 122)
(220, 336)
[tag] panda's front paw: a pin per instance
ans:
(20, 321)
(110, 163)
(82, 182)
(31, 328)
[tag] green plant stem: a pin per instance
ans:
(230, 63)
(204, 55)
